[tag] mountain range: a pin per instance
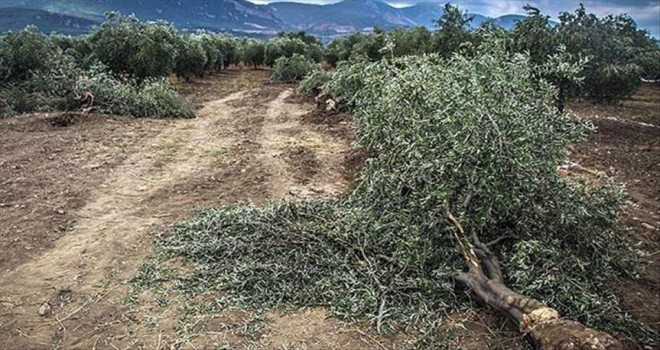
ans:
(236, 16)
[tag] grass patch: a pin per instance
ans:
(167, 152)
(221, 157)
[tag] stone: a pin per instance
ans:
(44, 309)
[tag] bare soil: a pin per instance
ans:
(626, 147)
(81, 195)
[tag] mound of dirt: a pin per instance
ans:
(326, 117)
(66, 119)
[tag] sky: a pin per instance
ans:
(645, 12)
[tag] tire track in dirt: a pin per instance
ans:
(281, 132)
(106, 245)
(108, 217)
(82, 278)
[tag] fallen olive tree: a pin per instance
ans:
(546, 328)
(466, 155)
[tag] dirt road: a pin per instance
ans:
(247, 146)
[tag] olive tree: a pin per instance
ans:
(130, 47)
(212, 52)
(341, 49)
(466, 148)
(535, 35)
(229, 50)
(288, 47)
(253, 52)
(272, 51)
(23, 53)
(292, 69)
(156, 53)
(453, 30)
(462, 186)
(614, 46)
(414, 41)
(191, 59)
(301, 35)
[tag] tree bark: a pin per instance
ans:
(547, 330)
(543, 324)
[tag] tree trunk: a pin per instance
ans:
(547, 330)
(543, 324)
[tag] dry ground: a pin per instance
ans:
(80, 196)
(626, 147)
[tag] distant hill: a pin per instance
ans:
(342, 17)
(237, 16)
(424, 13)
(508, 21)
(12, 18)
(214, 15)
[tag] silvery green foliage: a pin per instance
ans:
(348, 80)
(283, 47)
(491, 123)
(292, 69)
(191, 58)
(313, 82)
(56, 89)
(22, 53)
(153, 98)
(482, 136)
(479, 135)
(617, 50)
(253, 52)
(41, 73)
(44, 89)
(141, 50)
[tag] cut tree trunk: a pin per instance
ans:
(543, 324)
(548, 331)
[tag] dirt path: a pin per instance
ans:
(78, 205)
(240, 148)
(285, 144)
(114, 216)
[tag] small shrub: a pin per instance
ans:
(292, 69)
